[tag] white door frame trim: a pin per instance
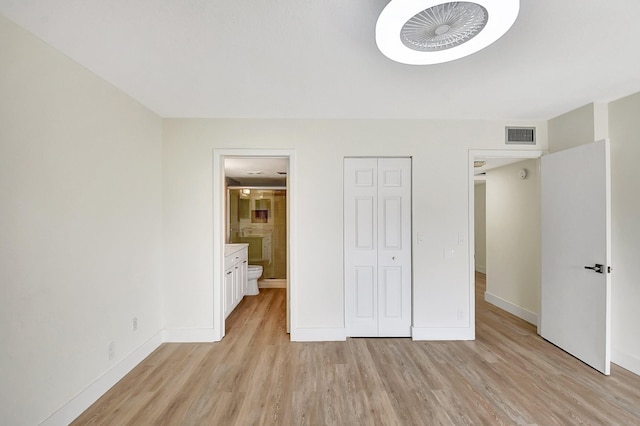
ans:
(484, 153)
(219, 194)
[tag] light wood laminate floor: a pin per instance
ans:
(508, 375)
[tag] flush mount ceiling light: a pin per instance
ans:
(423, 32)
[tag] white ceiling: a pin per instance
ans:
(318, 59)
(257, 171)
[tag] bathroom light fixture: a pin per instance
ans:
(430, 32)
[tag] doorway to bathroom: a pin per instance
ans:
(257, 216)
(253, 206)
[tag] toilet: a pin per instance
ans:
(254, 272)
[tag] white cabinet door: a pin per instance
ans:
(235, 279)
(229, 278)
(575, 301)
(377, 236)
(238, 285)
(243, 276)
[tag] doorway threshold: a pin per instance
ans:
(272, 283)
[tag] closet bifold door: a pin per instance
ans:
(377, 246)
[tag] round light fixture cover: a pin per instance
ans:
(423, 32)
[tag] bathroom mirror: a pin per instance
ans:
(244, 208)
(261, 212)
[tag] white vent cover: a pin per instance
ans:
(520, 135)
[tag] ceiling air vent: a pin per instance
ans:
(520, 135)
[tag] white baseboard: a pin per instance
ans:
(626, 361)
(318, 335)
(68, 412)
(189, 335)
(528, 316)
(481, 268)
(72, 409)
(443, 333)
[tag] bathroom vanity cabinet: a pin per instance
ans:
(236, 263)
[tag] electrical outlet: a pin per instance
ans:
(460, 314)
(449, 253)
(461, 238)
(111, 350)
(134, 323)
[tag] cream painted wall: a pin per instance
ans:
(480, 228)
(572, 128)
(440, 211)
(600, 121)
(80, 227)
(513, 239)
(583, 125)
(625, 239)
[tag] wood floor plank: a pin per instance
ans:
(256, 376)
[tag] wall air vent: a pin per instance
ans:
(520, 135)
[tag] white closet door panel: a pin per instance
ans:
(365, 294)
(391, 284)
(363, 304)
(394, 248)
(365, 175)
(364, 223)
(392, 223)
(392, 177)
(377, 229)
(360, 231)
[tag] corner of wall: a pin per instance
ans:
(72, 409)
(626, 361)
(573, 128)
(600, 121)
(512, 308)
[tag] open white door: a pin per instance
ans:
(576, 246)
